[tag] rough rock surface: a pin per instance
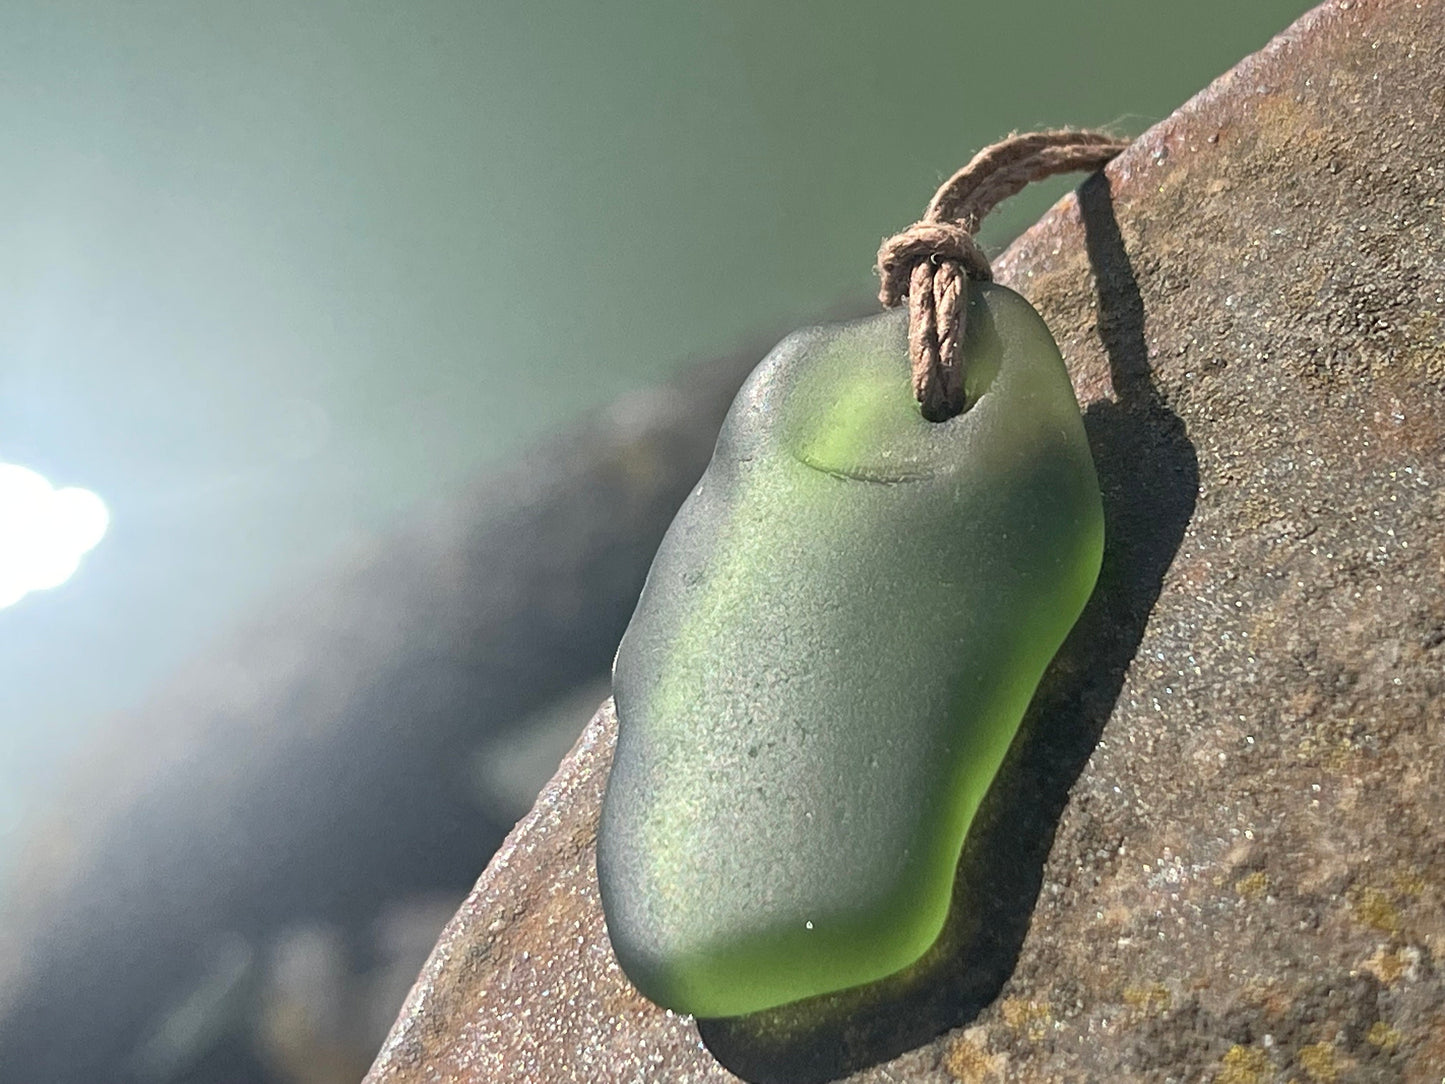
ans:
(1216, 850)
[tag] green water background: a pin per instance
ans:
(273, 273)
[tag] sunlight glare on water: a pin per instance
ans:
(44, 531)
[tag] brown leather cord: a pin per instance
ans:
(931, 261)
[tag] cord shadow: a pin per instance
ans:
(1149, 476)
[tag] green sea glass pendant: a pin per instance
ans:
(837, 641)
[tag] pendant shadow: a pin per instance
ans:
(1149, 476)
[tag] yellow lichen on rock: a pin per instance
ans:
(968, 1062)
(1150, 999)
(1026, 1016)
(1252, 886)
(1243, 1065)
(1387, 965)
(1319, 1062)
(1375, 909)
(1383, 1035)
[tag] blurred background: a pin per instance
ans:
(368, 346)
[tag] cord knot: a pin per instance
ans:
(931, 261)
(931, 243)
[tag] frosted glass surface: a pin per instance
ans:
(835, 646)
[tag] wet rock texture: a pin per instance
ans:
(1216, 850)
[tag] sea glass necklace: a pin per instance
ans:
(845, 624)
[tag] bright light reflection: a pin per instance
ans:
(44, 532)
